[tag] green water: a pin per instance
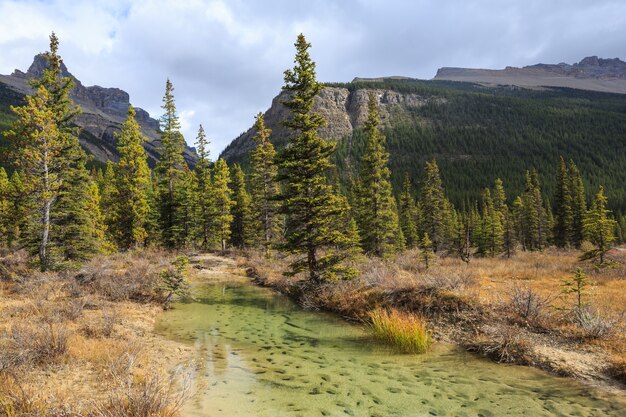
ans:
(260, 355)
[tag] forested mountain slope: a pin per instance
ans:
(476, 133)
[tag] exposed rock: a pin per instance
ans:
(103, 112)
(591, 73)
(344, 110)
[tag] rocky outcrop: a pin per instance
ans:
(591, 73)
(103, 112)
(344, 109)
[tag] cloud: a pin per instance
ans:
(226, 58)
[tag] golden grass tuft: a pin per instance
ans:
(406, 332)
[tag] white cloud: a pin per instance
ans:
(226, 57)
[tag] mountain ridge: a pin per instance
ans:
(104, 109)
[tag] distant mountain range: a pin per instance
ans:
(592, 73)
(493, 124)
(103, 112)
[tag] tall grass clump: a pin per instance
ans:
(407, 332)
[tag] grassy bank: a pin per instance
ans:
(80, 343)
(516, 310)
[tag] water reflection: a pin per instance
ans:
(260, 355)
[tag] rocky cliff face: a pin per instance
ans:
(103, 112)
(591, 73)
(344, 110)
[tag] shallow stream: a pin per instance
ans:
(259, 354)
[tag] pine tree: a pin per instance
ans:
(379, 220)
(263, 187)
(501, 207)
(37, 144)
(426, 250)
(110, 204)
(519, 221)
(170, 167)
(18, 209)
(578, 201)
(435, 207)
(222, 216)
(598, 227)
(314, 211)
(98, 227)
(242, 228)
(535, 216)
(408, 214)
(132, 181)
(491, 230)
(204, 197)
(5, 208)
(186, 201)
(564, 221)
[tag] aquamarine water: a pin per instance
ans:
(258, 354)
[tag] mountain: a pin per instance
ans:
(476, 132)
(592, 73)
(103, 112)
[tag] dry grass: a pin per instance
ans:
(404, 331)
(65, 340)
(502, 307)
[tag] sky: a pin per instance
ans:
(226, 57)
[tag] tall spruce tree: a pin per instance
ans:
(314, 211)
(263, 187)
(5, 207)
(564, 221)
(408, 213)
(378, 221)
(508, 228)
(19, 207)
(186, 201)
(222, 217)
(204, 197)
(242, 226)
(578, 201)
(170, 167)
(132, 182)
(598, 227)
(535, 217)
(42, 140)
(435, 207)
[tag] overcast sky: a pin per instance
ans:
(226, 57)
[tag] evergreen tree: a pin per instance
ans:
(491, 231)
(408, 213)
(5, 208)
(379, 219)
(263, 187)
(578, 202)
(132, 181)
(598, 227)
(242, 228)
(185, 198)
(564, 224)
(222, 216)
(535, 216)
(519, 222)
(39, 139)
(98, 227)
(501, 207)
(110, 203)
(204, 197)
(18, 208)
(435, 207)
(170, 167)
(426, 250)
(314, 211)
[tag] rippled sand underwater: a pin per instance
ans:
(261, 355)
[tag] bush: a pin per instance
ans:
(407, 332)
(593, 323)
(527, 304)
(150, 396)
(40, 345)
(504, 344)
(172, 281)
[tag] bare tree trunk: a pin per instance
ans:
(43, 245)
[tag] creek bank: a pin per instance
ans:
(459, 320)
